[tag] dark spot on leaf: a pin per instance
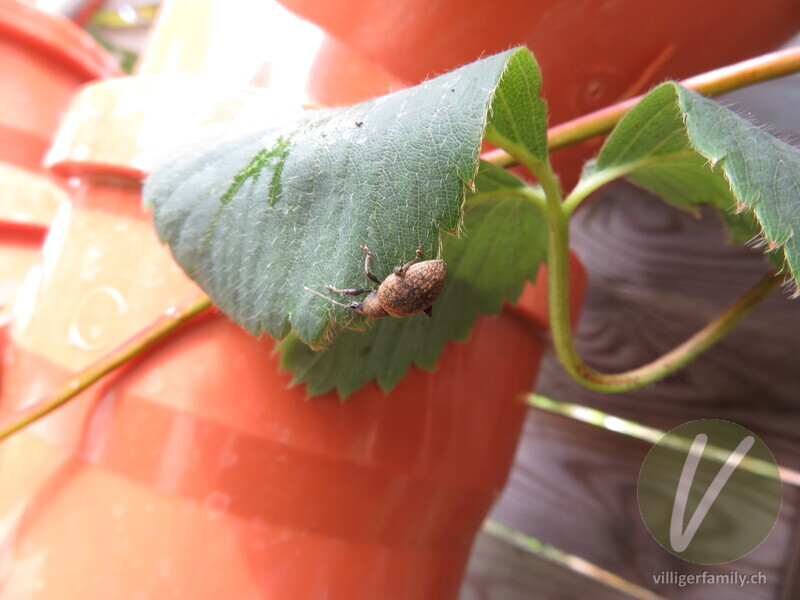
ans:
(359, 123)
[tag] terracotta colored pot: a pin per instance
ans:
(592, 53)
(43, 60)
(197, 472)
(586, 51)
(340, 76)
(27, 205)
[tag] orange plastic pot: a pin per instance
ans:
(586, 51)
(28, 203)
(591, 53)
(43, 60)
(340, 76)
(197, 471)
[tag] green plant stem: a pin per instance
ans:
(144, 339)
(606, 175)
(571, 562)
(597, 418)
(531, 193)
(749, 72)
(557, 216)
(561, 330)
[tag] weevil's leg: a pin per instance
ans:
(356, 307)
(401, 271)
(349, 292)
(428, 312)
(367, 272)
(331, 300)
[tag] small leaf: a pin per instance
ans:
(502, 247)
(518, 112)
(256, 213)
(691, 151)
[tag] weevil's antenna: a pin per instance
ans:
(331, 300)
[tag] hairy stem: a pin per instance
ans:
(558, 301)
(531, 193)
(600, 178)
(144, 339)
(557, 215)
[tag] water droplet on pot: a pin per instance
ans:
(153, 282)
(96, 322)
(228, 459)
(164, 567)
(216, 503)
(91, 266)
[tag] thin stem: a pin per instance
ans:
(557, 215)
(733, 77)
(539, 168)
(561, 330)
(568, 561)
(592, 416)
(608, 174)
(144, 339)
(558, 303)
(772, 65)
(668, 363)
(532, 193)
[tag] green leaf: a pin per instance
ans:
(502, 246)
(690, 150)
(255, 213)
(518, 112)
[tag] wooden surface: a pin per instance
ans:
(499, 571)
(656, 275)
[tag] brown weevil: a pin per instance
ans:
(410, 289)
